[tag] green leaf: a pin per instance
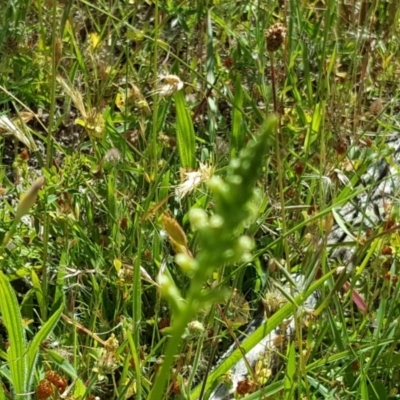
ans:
(185, 132)
(80, 389)
(16, 354)
(377, 391)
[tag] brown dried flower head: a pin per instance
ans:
(44, 389)
(376, 107)
(275, 36)
(58, 381)
(245, 386)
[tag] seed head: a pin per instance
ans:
(275, 36)
(196, 327)
(113, 156)
(193, 179)
(168, 85)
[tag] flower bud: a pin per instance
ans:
(198, 218)
(29, 198)
(187, 263)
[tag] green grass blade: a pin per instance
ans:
(37, 287)
(211, 79)
(185, 132)
(237, 141)
(39, 338)
(363, 389)
(12, 320)
(136, 357)
(290, 372)
(313, 132)
(270, 390)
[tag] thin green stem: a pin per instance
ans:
(185, 316)
(49, 154)
(155, 125)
